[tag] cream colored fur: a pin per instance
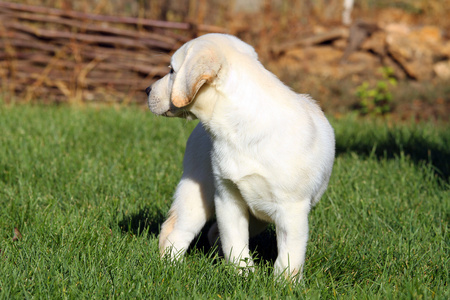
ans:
(260, 154)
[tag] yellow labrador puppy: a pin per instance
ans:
(260, 154)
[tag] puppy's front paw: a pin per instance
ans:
(287, 273)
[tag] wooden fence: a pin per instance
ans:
(50, 55)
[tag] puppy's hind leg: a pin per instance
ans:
(193, 202)
(187, 216)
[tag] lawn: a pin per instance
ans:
(88, 188)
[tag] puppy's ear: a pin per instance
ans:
(201, 65)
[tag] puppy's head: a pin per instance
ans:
(196, 64)
(193, 65)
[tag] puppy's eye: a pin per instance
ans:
(171, 70)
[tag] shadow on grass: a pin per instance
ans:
(415, 145)
(146, 219)
(264, 246)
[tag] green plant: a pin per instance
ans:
(377, 100)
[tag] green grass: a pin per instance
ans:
(89, 187)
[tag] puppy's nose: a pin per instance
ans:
(148, 90)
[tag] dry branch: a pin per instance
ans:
(81, 37)
(111, 19)
(312, 40)
(88, 27)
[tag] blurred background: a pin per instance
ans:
(372, 58)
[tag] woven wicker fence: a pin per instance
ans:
(53, 55)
